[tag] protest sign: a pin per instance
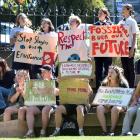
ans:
(113, 96)
(76, 69)
(35, 48)
(39, 92)
(74, 91)
(72, 46)
(109, 41)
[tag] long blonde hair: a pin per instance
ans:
(28, 22)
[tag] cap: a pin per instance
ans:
(46, 67)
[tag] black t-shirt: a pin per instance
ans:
(8, 79)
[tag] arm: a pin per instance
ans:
(13, 98)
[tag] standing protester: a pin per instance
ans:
(22, 25)
(128, 62)
(102, 63)
(6, 82)
(47, 29)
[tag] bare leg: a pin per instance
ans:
(101, 117)
(46, 112)
(80, 116)
(58, 115)
(8, 113)
(30, 116)
(22, 113)
(115, 111)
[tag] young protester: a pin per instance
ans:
(115, 78)
(102, 63)
(46, 111)
(15, 98)
(71, 109)
(6, 81)
(47, 28)
(128, 62)
(132, 111)
(22, 25)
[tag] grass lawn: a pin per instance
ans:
(81, 138)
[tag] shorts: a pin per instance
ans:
(71, 109)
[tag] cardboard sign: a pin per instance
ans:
(74, 91)
(39, 92)
(109, 41)
(113, 96)
(72, 46)
(36, 49)
(76, 69)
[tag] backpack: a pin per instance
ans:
(69, 127)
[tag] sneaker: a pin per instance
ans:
(29, 135)
(129, 134)
(42, 133)
(55, 133)
(81, 133)
(111, 134)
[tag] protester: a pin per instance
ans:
(115, 78)
(22, 25)
(71, 109)
(46, 111)
(132, 111)
(47, 29)
(15, 98)
(102, 63)
(6, 81)
(128, 62)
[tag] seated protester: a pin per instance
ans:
(68, 110)
(46, 111)
(6, 81)
(15, 98)
(132, 111)
(115, 78)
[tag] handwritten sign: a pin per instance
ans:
(73, 91)
(39, 92)
(72, 46)
(36, 49)
(76, 69)
(109, 41)
(113, 96)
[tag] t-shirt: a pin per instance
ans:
(8, 79)
(19, 29)
(20, 99)
(132, 27)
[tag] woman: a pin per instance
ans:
(46, 111)
(15, 98)
(132, 111)
(47, 28)
(128, 62)
(22, 25)
(114, 78)
(6, 82)
(102, 63)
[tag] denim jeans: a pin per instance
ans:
(4, 93)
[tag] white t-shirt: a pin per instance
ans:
(19, 29)
(52, 34)
(132, 27)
